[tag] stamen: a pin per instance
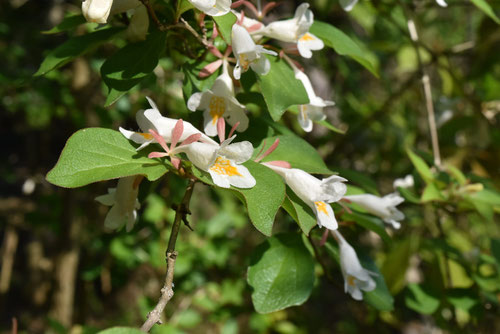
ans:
(233, 129)
(177, 133)
(269, 150)
(279, 163)
(191, 139)
(221, 129)
(210, 69)
(159, 139)
(157, 155)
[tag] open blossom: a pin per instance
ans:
(123, 201)
(99, 10)
(248, 54)
(296, 30)
(212, 7)
(356, 278)
(217, 102)
(383, 207)
(314, 110)
(151, 119)
(223, 162)
(314, 192)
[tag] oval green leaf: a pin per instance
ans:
(97, 154)
(281, 273)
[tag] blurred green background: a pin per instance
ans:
(61, 272)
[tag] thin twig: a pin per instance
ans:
(167, 292)
(322, 263)
(431, 118)
(195, 34)
(152, 13)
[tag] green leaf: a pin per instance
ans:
(457, 174)
(68, 23)
(421, 166)
(263, 200)
(299, 211)
(342, 44)
(225, 25)
(396, 262)
(113, 96)
(97, 154)
(486, 8)
(182, 7)
(380, 298)
(431, 193)
(299, 153)
(461, 298)
(370, 223)
(75, 47)
(281, 273)
(495, 250)
(409, 195)
(129, 65)
(280, 88)
(360, 179)
(121, 330)
(421, 299)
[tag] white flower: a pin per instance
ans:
(314, 110)
(314, 192)
(383, 207)
(356, 278)
(442, 3)
(123, 201)
(213, 7)
(152, 119)
(406, 182)
(218, 102)
(248, 54)
(348, 5)
(296, 30)
(223, 162)
(254, 27)
(99, 10)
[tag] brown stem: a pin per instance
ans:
(431, 118)
(166, 292)
(152, 13)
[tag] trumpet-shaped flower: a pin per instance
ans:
(212, 7)
(222, 162)
(296, 30)
(99, 10)
(248, 54)
(151, 119)
(123, 201)
(314, 110)
(356, 278)
(219, 102)
(383, 207)
(314, 192)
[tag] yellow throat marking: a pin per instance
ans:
(223, 167)
(307, 38)
(217, 108)
(146, 136)
(350, 280)
(321, 207)
(244, 62)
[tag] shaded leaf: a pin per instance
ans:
(68, 23)
(421, 299)
(342, 44)
(281, 273)
(225, 25)
(280, 88)
(75, 47)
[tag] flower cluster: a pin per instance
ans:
(224, 161)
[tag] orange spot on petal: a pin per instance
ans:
(146, 136)
(321, 207)
(223, 167)
(307, 37)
